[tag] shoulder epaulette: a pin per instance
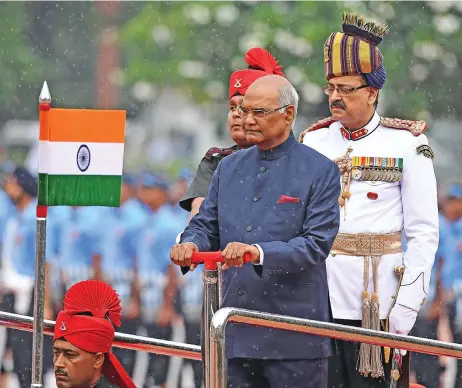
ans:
(415, 127)
(215, 152)
(323, 123)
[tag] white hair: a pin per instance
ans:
(288, 96)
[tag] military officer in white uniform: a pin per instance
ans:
(388, 184)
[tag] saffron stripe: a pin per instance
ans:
(337, 55)
(84, 125)
(364, 57)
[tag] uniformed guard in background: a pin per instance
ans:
(261, 63)
(18, 267)
(156, 276)
(121, 229)
(388, 183)
(80, 244)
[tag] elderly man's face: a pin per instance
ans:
(75, 368)
(266, 124)
(349, 97)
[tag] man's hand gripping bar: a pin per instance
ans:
(210, 259)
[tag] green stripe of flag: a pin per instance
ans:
(79, 190)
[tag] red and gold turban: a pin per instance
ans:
(261, 63)
(95, 332)
(354, 51)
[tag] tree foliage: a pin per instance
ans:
(195, 46)
(19, 64)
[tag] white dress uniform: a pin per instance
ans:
(383, 207)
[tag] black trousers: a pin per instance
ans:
(193, 337)
(127, 357)
(426, 366)
(158, 365)
(343, 371)
(452, 313)
(252, 373)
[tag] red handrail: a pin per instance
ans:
(210, 259)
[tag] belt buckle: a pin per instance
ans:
(363, 244)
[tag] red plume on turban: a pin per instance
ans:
(93, 333)
(261, 62)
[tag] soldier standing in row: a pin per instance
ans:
(388, 183)
(261, 63)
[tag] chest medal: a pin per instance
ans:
(377, 168)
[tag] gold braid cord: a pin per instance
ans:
(376, 351)
(344, 164)
(365, 349)
(399, 271)
(370, 356)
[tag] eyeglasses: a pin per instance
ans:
(259, 112)
(342, 90)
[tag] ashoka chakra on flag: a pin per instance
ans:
(83, 158)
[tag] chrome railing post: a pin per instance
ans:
(209, 308)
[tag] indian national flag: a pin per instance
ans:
(81, 157)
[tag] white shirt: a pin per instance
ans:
(410, 204)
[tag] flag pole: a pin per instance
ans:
(40, 249)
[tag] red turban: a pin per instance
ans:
(93, 333)
(261, 62)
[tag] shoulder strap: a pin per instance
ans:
(415, 127)
(216, 152)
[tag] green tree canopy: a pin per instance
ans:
(196, 45)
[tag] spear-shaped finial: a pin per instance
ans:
(45, 95)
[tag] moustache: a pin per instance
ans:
(338, 104)
(60, 372)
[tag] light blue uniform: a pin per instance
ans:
(80, 241)
(452, 269)
(58, 216)
(122, 228)
(191, 296)
(154, 246)
(19, 255)
(6, 209)
(181, 215)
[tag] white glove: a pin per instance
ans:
(178, 238)
(402, 320)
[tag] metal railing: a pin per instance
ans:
(214, 326)
(217, 370)
(126, 341)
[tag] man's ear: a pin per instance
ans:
(373, 94)
(98, 360)
(290, 114)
